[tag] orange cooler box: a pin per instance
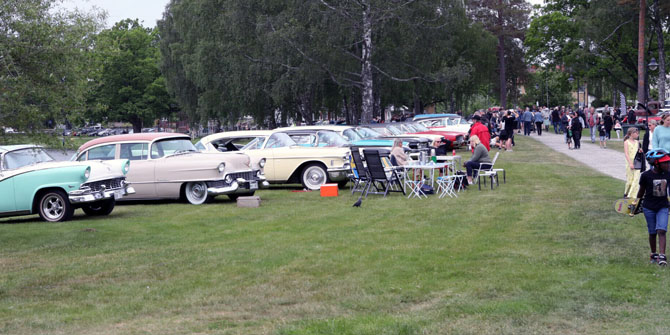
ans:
(329, 190)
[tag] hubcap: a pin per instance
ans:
(314, 177)
(197, 192)
(53, 207)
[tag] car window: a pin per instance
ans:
(105, 152)
(200, 146)
(171, 147)
(18, 158)
(279, 140)
(82, 157)
(134, 151)
(331, 139)
(256, 143)
(351, 135)
(304, 139)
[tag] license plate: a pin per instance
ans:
(118, 194)
(253, 185)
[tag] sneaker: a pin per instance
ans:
(653, 258)
(662, 260)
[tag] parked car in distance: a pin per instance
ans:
(287, 161)
(168, 166)
(31, 182)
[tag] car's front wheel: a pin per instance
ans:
(196, 193)
(313, 176)
(99, 208)
(54, 206)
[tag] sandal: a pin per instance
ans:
(662, 260)
(653, 258)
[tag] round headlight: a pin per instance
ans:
(229, 179)
(222, 167)
(259, 173)
(261, 163)
(87, 173)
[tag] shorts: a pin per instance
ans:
(603, 138)
(656, 219)
(503, 135)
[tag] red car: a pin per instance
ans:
(457, 139)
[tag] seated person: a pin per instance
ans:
(443, 148)
(480, 155)
(398, 153)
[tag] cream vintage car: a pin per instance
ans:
(287, 162)
(168, 166)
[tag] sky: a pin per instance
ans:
(148, 11)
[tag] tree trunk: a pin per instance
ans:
(640, 54)
(137, 124)
(501, 57)
(661, 54)
(367, 102)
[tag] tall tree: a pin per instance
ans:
(43, 62)
(129, 86)
(507, 20)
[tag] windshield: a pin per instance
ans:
(279, 140)
(171, 147)
(351, 135)
(394, 130)
(331, 139)
(23, 157)
(368, 133)
(420, 127)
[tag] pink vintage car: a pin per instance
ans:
(168, 166)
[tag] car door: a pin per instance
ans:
(142, 169)
(7, 200)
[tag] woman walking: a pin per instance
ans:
(631, 148)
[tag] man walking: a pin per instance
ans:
(556, 120)
(527, 118)
(592, 121)
(539, 120)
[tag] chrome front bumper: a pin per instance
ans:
(339, 174)
(79, 196)
(239, 185)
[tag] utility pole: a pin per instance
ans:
(640, 54)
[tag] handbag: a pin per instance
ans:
(638, 161)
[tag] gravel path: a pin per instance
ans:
(607, 161)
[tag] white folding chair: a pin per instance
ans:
(487, 172)
(445, 186)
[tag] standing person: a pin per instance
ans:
(631, 117)
(608, 124)
(648, 135)
(568, 131)
(631, 147)
(539, 120)
(481, 131)
(592, 120)
(480, 158)
(576, 125)
(508, 128)
(603, 134)
(565, 121)
(661, 138)
(556, 120)
(617, 129)
(654, 188)
(527, 119)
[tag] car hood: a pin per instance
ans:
(100, 170)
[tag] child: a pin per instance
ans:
(617, 128)
(602, 132)
(654, 187)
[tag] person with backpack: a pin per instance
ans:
(654, 188)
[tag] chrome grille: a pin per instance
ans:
(109, 184)
(247, 175)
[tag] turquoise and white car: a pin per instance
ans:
(31, 182)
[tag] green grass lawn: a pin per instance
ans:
(543, 254)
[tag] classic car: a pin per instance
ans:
(287, 162)
(316, 138)
(456, 138)
(168, 166)
(447, 122)
(364, 137)
(32, 182)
